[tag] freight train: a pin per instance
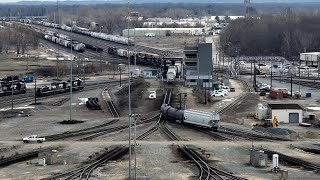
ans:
(85, 31)
(142, 58)
(12, 84)
(59, 87)
(63, 40)
(193, 117)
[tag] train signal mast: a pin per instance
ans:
(247, 3)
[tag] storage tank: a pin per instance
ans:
(275, 162)
(260, 111)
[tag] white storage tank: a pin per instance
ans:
(275, 162)
(260, 111)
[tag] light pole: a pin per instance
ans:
(97, 47)
(71, 79)
(129, 93)
(252, 137)
(135, 143)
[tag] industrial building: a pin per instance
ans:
(198, 65)
(139, 32)
(310, 58)
(286, 113)
(150, 73)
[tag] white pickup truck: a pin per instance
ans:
(33, 138)
(152, 95)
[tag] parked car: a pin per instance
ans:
(217, 94)
(262, 92)
(224, 91)
(33, 138)
(232, 90)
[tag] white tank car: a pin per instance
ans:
(202, 118)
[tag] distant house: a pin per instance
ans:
(286, 113)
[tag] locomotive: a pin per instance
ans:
(12, 85)
(59, 87)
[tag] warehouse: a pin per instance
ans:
(286, 113)
(310, 58)
(139, 32)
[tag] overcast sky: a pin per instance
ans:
(234, 1)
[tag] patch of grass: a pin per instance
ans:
(137, 89)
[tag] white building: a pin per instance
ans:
(310, 57)
(286, 113)
(162, 31)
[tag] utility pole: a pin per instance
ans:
(291, 85)
(35, 91)
(299, 73)
(71, 79)
(120, 75)
(205, 93)
(251, 70)
(271, 77)
(12, 92)
(57, 19)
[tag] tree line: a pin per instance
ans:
(285, 35)
(19, 38)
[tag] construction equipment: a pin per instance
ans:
(269, 123)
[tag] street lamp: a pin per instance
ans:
(136, 116)
(134, 15)
(129, 93)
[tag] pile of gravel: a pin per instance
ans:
(274, 131)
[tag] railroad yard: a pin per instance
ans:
(85, 120)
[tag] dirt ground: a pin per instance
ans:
(217, 102)
(170, 43)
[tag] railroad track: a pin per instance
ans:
(30, 97)
(249, 135)
(105, 44)
(293, 161)
(151, 130)
(85, 171)
(20, 157)
(302, 82)
(206, 171)
(98, 133)
(112, 109)
(239, 100)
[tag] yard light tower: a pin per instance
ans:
(129, 93)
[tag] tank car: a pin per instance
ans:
(172, 113)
